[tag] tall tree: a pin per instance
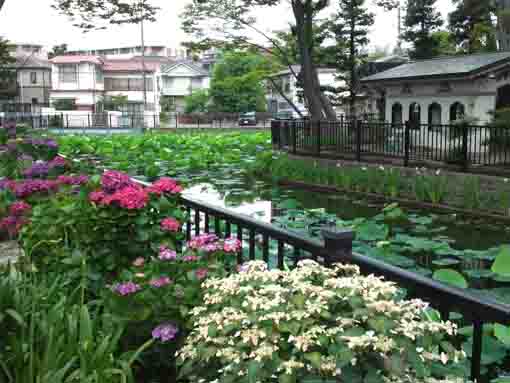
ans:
(57, 50)
(420, 21)
(237, 82)
(351, 27)
(467, 22)
(97, 14)
(2, 2)
(233, 20)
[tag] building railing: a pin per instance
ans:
(221, 120)
(336, 247)
(462, 145)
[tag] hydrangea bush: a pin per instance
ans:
(313, 323)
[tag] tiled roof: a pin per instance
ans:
(445, 66)
(76, 60)
(197, 68)
(130, 65)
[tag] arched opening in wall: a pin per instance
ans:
(457, 111)
(503, 97)
(415, 115)
(396, 114)
(434, 116)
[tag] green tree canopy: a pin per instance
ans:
(57, 50)
(237, 83)
(472, 25)
(197, 101)
(420, 21)
(97, 14)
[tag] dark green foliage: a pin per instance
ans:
(420, 21)
(197, 101)
(237, 82)
(472, 26)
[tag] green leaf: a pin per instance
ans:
(314, 358)
(451, 277)
(501, 265)
(286, 378)
(253, 370)
(502, 333)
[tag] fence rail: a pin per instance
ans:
(337, 247)
(454, 144)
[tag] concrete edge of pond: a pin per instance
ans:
(10, 252)
(403, 201)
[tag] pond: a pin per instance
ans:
(420, 241)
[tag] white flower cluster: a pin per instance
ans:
(298, 323)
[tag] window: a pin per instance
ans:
(435, 116)
(457, 111)
(396, 114)
(33, 77)
(99, 75)
(35, 101)
(127, 84)
(287, 87)
(68, 73)
(415, 115)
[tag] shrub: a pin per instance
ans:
(312, 323)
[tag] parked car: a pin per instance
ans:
(246, 119)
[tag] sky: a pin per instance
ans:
(34, 21)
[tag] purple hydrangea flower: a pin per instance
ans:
(126, 288)
(165, 332)
(37, 169)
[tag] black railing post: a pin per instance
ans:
(281, 128)
(88, 120)
(476, 355)
(318, 137)
(465, 155)
(61, 120)
(407, 143)
(294, 138)
(357, 130)
(338, 245)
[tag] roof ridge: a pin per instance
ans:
(448, 57)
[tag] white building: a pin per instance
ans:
(31, 78)
(133, 51)
(287, 81)
(181, 79)
(441, 90)
(78, 79)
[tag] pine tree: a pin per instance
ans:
(420, 21)
(468, 20)
(351, 27)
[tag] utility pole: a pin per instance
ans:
(144, 76)
(399, 41)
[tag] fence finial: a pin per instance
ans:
(338, 244)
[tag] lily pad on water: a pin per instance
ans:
(501, 265)
(446, 262)
(451, 277)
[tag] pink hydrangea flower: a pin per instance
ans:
(127, 288)
(165, 185)
(160, 282)
(113, 180)
(97, 196)
(201, 273)
(231, 245)
(130, 197)
(166, 254)
(19, 208)
(190, 258)
(199, 242)
(139, 262)
(170, 225)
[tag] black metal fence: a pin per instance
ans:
(337, 247)
(83, 121)
(213, 120)
(463, 145)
